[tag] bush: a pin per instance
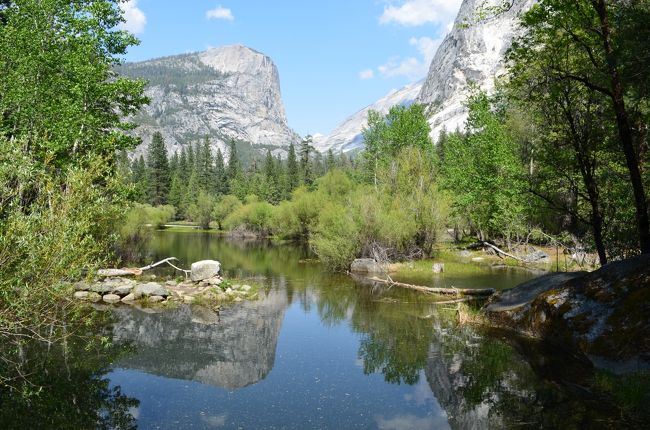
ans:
(335, 240)
(224, 207)
(252, 218)
(201, 210)
(137, 226)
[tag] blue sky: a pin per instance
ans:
(334, 56)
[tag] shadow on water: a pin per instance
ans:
(316, 350)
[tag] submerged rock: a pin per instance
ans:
(206, 269)
(365, 265)
(605, 313)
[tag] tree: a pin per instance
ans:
(220, 185)
(484, 173)
(224, 207)
(386, 135)
(293, 172)
(60, 96)
(140, 180)
(200, 211)
(234, 165)
(158, 170)
(306, 169)
(593, 35)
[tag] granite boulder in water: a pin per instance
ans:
(205, 269)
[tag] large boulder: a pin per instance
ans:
(605, 314)
(150, 289)
(365, 265)
(206, 269)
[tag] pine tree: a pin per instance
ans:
(234, 166)
(293, 172)
(139, 179)
(270, 171)
(158, 170)
(306, 169)
(219, 174)
(330, 163)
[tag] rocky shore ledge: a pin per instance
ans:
(605, 314)
(205, 285)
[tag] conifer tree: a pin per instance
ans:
(139, 179)
(306, 169)
(293, 172)
(157, 170)
(220, 187)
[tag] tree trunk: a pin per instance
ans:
(624, 129)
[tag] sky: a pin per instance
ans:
(334, 57)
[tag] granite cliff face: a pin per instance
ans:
(231, 350)
(471, 54)
(349, 135)
(231, 92)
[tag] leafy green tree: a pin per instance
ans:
(200, 211)
(225, 206)
(589, 43)
(158, 170)
(60, 96)
(484, 173)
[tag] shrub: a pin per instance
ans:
(335, 240)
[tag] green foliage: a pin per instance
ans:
(136, 228)
(484, 173)
(255, 217)
(158, 175)
(201, 210)
(335, 238)
(224, 207)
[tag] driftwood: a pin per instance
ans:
(500, 251)
(138, 271)
(482, 292)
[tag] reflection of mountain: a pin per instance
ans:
(235, 351)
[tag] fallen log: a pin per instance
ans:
(500, 251)
(479, 292)
(105, 273)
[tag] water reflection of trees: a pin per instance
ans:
(62, 385)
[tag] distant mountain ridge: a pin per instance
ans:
(226, 93)
(472, 53)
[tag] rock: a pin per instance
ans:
(101, 288)
(122, 290)
(81, 295)
(89, 296)
(111, 298)
(525, 293)
(464, 254)
(171, 283)
(365, 265)
(81, 286)
(438, 267)
(246, 288)
(537, 257)
(189, 299)
(205, 269)
(602, 314)
(214, 281)
(129, 298)
(150, 289)
(155, 299)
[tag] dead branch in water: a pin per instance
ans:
(138, 271)
(482, 292)
(500, 251)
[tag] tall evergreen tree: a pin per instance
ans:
(158, 170)
(219, 174)
(293, 171)
(306, 170)
(139, 179)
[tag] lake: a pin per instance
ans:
(316, 350)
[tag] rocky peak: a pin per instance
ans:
(225, 93)
(472, 53)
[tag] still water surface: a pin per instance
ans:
(321, 351)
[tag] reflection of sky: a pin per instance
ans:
(316, 383)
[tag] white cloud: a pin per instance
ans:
(411, 67)
(418, 12)
(366, 74)
(135, 18)
(220, 13)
